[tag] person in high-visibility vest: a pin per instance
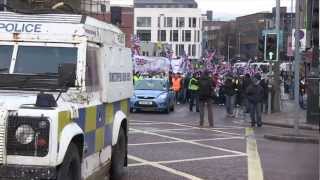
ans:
(136, 78)
(176, 86)
(194, 92)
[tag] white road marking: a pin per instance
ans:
(200, 159)
(196, 140)
(208, 129)
(189, 160)
(165, 168)
(190, 142)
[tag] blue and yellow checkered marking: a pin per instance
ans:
(96, 122)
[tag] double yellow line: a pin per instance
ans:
(254, 163)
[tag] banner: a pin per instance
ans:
(145, 64)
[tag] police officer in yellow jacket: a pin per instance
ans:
(194, 92)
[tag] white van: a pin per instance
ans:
(65, 82)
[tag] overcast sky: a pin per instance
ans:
(229, 9)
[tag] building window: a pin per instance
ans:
(193, 51)
(195, 36)
(188, 35)
(198, 36)
(180, 22)
(179, 49)
(162, 35)
(159, 22)
(189, 49)
(174, 35)
(183, 35)
(192, 22)
(167, 22)
(143, 21)
(144, 35)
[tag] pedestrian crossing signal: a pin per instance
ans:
(271, 53)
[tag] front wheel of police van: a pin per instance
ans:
(70, 169)
(118, 157)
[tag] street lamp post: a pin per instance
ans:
(239, 45)
(228, 51)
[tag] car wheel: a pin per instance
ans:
(70, 169)
(118, 157)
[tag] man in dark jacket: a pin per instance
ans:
(229, 92)
(246, 83)
(255, 98)
(205, 94)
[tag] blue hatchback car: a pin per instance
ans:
(152, 95)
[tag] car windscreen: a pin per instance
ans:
(5, 58)
(40, 59)
(159, 85)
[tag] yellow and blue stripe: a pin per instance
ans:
(96, 123)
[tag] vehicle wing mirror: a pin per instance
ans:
(67, 75)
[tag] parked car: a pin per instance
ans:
(152, 95)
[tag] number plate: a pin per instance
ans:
(145, 102)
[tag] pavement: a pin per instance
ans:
(288, 115)
(173, 147)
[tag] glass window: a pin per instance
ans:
(193, 50)
(188, 35)
(174, 35)
(143, 21)
(159, 85)
(181, 21)
(5, 58)
(190, 23)
(183, 35)
(92, 79)
(162, 35)
(168, 22)
(144, 35)
(189, 49)
(181, 49)
(194, 22)
(40, 59)
(177, 50)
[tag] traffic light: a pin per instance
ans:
(261, 46)
(271, 47)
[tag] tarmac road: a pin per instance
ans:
(173, 147)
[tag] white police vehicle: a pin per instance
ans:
(65, 84)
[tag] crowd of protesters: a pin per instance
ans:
(202, 89)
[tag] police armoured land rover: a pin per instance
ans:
(65, 81)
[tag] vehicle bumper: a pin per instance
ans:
(20, 172)
(156, 106)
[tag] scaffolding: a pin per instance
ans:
(95, 7)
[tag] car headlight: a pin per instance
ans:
(25, 134)
(162, 96)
